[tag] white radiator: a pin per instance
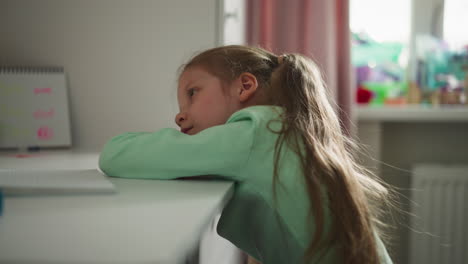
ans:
(440, 215)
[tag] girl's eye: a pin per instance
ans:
(191, 92)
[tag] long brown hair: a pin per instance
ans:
(312, 130)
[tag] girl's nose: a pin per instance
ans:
(180, 117)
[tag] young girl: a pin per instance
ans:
(265, 122)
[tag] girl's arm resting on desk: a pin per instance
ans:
(169, 154)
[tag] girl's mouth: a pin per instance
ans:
(186, 130)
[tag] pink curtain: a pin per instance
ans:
(315, 28)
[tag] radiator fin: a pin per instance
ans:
(440, 214)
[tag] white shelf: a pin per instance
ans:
(413, 113)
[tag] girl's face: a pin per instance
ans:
(204, 101)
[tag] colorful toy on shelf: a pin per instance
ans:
(364, 96)
(442, 72)
(380, 77)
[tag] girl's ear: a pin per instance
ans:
(248, 86)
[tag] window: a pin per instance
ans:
(455, 23)
(410, 51)
(382, 20)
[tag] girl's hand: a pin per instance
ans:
(251, 260)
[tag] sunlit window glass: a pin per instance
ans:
(456, 23)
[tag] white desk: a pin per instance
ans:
(146, 221)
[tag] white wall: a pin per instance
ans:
(120, 56)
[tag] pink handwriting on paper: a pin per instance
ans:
(47, 90)
(45, 133)
(41, 114)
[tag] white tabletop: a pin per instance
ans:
(146, 221)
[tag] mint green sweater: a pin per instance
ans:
(242, 150)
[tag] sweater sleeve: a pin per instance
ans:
(168, 154)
